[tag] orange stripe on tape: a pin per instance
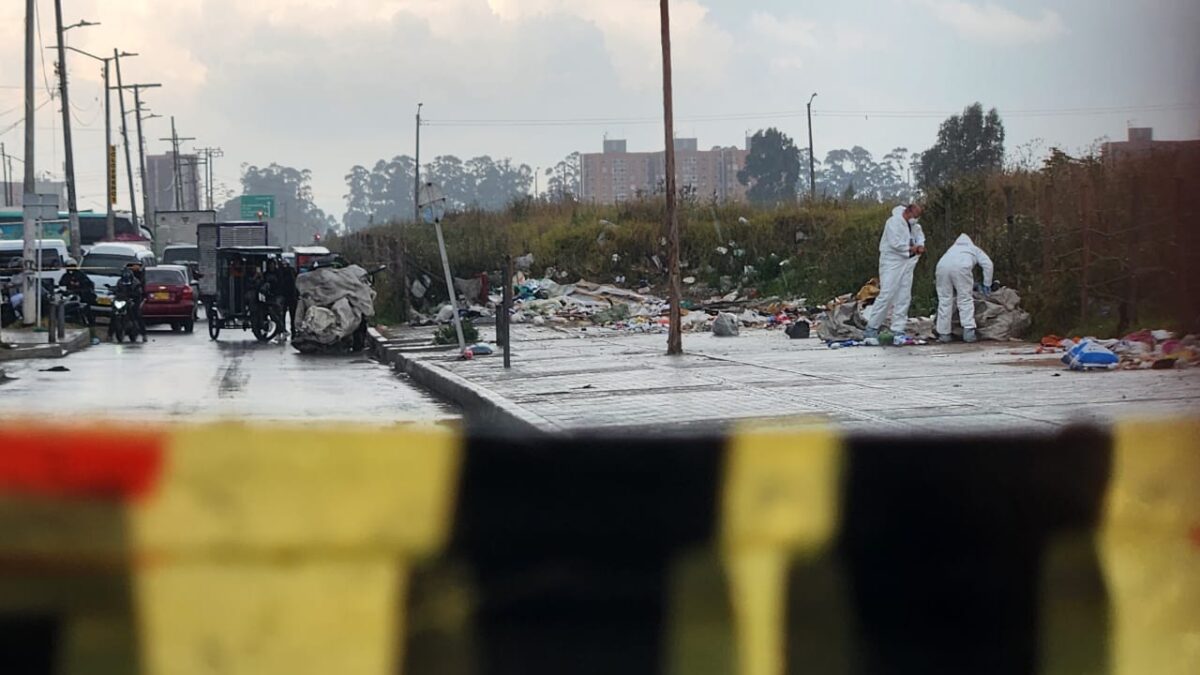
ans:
(79, 463)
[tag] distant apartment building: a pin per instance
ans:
(12, 193)
(160, 182)
(617, 175)
(1140, 143)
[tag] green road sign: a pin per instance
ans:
(257, 207)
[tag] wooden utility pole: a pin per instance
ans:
(675, 331)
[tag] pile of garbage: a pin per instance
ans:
(998, 316)
(1141, 350)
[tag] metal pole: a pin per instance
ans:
(4, 172)
(125, 137)
(462, 343)
(812, 173)
(675, 332)
(110, 225)
(506, 310)
(72, 205)
(30, 187)
(417, 170)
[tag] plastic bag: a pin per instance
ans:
(1088, 355)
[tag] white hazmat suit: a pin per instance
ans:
(896, 267)
(955, 279)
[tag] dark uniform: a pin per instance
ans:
(75, 281)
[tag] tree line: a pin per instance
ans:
(776, 171)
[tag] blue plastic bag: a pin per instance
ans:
(1088, 355)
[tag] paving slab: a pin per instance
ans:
(567, 380)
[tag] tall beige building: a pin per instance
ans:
(617, 175)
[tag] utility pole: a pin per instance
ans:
(4, 172)
(675, 331)
(417, 171)
(209, 154)
(125, 137)
(109, 150)
(176, 165)
(72, 204)
(137, 110)
(27, 252)
(812, 172)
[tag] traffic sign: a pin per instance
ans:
(257, 207)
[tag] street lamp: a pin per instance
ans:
(82, 24)
(110, 198)
(812, 173)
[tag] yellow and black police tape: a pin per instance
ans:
(245, 549)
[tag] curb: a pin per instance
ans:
(48, 351)
(485, 408)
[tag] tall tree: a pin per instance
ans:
(297, 218)
(772, 168)
(968, 144)
(563, 180)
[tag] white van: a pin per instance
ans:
(54, 258)
(104, 264)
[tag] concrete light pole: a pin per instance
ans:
(30, 233)
(133, 210)
(812, 173)
(72, 203)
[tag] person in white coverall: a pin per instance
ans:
(900, 248)
(955, 279)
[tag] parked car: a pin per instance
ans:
(54, 258)
(104, 263)
(169, 298)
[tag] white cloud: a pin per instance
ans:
(993, 23)
(700, 49)
(790, 31)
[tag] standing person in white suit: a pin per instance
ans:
(900, 248)
(955, 280)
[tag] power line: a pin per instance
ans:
(887, 114)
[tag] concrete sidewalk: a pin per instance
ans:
(562, 381)
(22, 343)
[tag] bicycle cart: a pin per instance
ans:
(241, 295)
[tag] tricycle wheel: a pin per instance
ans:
(263, 324)
(214, 322)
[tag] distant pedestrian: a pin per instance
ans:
(285, 283)
(900, 247)
(955, 279)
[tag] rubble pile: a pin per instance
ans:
(1141, 350)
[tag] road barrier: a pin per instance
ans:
(245, 549)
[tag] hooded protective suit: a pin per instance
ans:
(955, 278)
(896, 267)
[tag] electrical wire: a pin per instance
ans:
(887, 114)
(21, 121)
(37, 15)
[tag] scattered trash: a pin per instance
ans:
(55, 369)
(726, 325)
(480, 349)
(689, 280)
(839, 344)
(1089, 355)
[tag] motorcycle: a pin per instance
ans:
(120, 321)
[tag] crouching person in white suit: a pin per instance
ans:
(955, 280)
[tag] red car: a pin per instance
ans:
(169, 298)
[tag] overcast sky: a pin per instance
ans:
(327, 84)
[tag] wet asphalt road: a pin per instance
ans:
(179, 377)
